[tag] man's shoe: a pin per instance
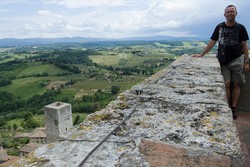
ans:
(234, 112)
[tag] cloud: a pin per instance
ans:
(3, 10)
(84, 3)
(48, 13)
(4, 2)
(111, 18)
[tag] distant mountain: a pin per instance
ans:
(8, 42)
(158, 38)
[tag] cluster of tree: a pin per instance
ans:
(6, 78)
(138, 52)
(172, 43)
(10, 103)
(43, 74)
(187, 51)
(5, 81)
(39, 101)
(65, 59)
(70, 56)
(12, 62)
(12, 107)
(71, 82)
(91, 103)
(146, 69)
(114, 89)
(67, 67)
(14, 143)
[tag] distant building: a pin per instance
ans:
(38, 136)
(22, 135)
(28, 148)
(10, 160)
(6, 160)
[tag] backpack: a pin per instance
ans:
(227, 53)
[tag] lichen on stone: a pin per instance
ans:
(31, 160)
(51, 145)
(98, 117)
(85, 127)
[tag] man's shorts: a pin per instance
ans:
(234, 71)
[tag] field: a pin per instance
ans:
(27, 82)
(81, 76)
(30, 75)
(24, 87)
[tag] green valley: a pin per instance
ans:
(88, 76)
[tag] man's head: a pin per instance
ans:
(230, 12)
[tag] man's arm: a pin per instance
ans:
(246, 58)
(209, 46)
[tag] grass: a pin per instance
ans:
(12, 56)
(91, 84)
(24, 87)
(162, 45)
(105, 60)
(132, 60)
(39, 68)
(187, 44)
(127, 82)
(18, 122)
(67, 94)
(29, 86)
(113, 60)
(82, 116)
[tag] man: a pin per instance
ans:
(232, 54)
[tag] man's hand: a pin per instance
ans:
(197, 55)
(246, 67)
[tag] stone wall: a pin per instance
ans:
(180, 119)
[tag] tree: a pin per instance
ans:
(27, 115)
(14, 126)
(114, 89)
(31, 123)
(2, 121)
(96, 106)
(77, 120)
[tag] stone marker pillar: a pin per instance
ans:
(58, 120)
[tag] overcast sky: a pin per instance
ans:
(114, 18)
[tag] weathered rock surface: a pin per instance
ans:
(180, 119)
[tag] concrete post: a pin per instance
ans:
(58, 120)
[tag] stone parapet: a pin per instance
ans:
(180, 117)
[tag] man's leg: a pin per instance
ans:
(238, 78)
(228, 91)
(235, 98)
(235, 94)
(232, 90)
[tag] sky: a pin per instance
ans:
(115, 18)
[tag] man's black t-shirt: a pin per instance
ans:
(229, 39)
